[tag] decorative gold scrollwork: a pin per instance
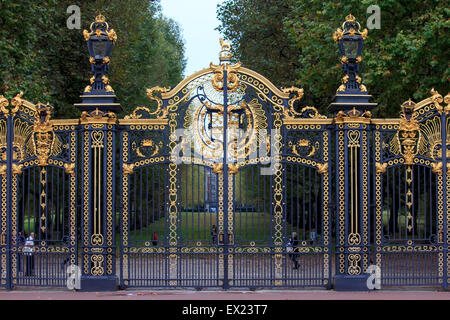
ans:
(304, 143)
(354, 268)
(97, 261)
(353, 116)
(159, 112)
(297, 95)
(97, 239)
(447, 101)
(437, 99)
(354, 238)
(232, 78)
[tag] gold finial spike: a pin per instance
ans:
(408, 105)
(100, 18)
(350, 18)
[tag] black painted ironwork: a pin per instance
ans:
(225, 181)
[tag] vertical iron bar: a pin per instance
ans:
(9, 157)
(446, 236)
(226, 284)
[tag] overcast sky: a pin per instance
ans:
(197, 19)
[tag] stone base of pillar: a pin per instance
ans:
(351, 283)
(96, 284)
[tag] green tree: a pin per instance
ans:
(405, 58)
(40, 56)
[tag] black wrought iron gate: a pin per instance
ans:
(38, 183)
(216, 184)
(225, 182)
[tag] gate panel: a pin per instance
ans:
(185, 178)
(220, 140)
(144, 171)
(410, 215)
(43, 197)
(266, 178)
(307, 193)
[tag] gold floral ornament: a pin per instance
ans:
(233, 168)
(218, 168)
(159, 112)
(306, 112)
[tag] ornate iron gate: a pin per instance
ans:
(411, 208)
(202, 185)
(38, 184)
(214, 183)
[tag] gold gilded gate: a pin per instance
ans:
(203, 173)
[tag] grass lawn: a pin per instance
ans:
(196, 226)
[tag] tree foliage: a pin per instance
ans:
(40, 56)
(290, 42)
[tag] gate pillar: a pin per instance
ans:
(98, 135)
(352, 119)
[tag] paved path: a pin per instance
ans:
(224, 295)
